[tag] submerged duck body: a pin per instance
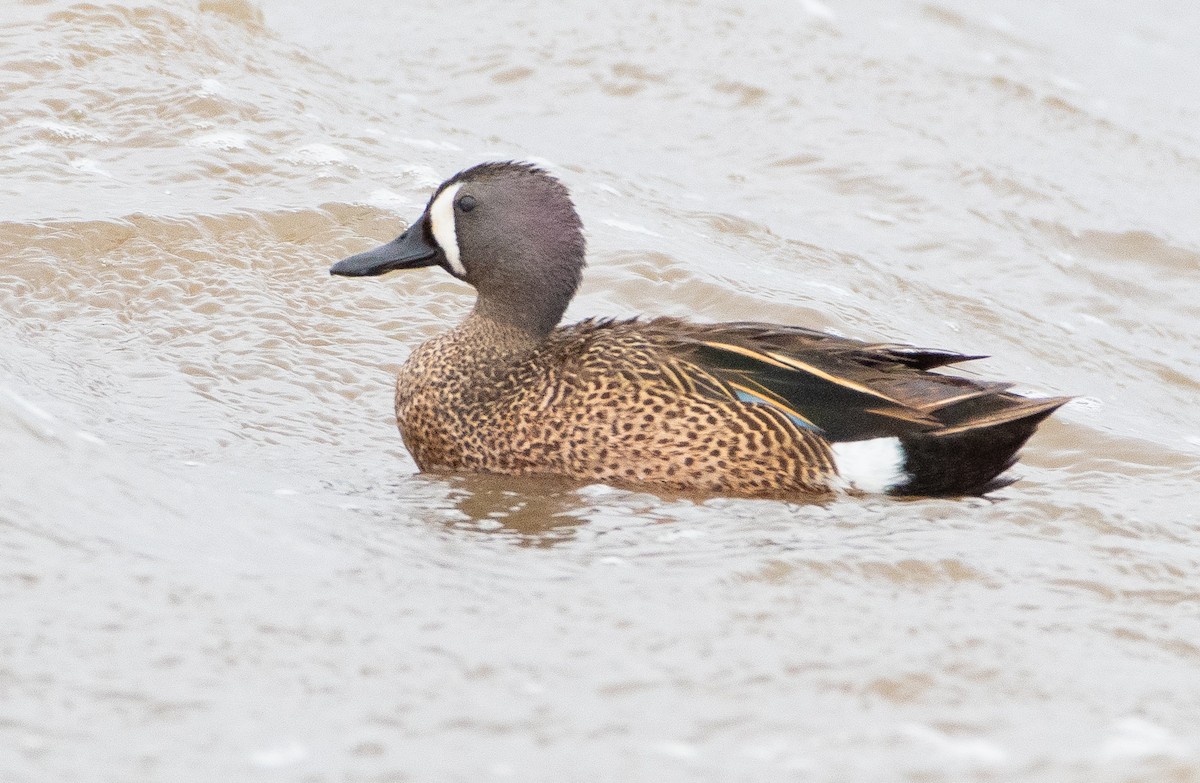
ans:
(738, 408)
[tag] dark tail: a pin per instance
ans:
(976, 445)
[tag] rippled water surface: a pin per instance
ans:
(220, 564)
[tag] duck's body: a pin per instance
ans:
(747, 409)
(597, 401)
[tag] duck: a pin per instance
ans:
(662, 403)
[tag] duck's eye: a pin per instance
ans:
(466, 203)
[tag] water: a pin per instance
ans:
(220, 564)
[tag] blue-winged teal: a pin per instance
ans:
(738, 408)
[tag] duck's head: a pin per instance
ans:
(509, 229)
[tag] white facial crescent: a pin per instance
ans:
(441, 218)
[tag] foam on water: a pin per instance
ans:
(316, 154)
(222, 140)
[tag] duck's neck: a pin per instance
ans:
(519, 327)
(499, 338)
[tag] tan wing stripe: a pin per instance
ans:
(1003, 417)
(783, 408)
(796, 364)
(908, 414)
(969, 394)
(788, 363)
(757, 355)
(763, 391)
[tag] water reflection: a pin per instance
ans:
(531, 512)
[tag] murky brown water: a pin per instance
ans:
(218, 561)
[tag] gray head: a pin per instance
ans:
(509, 229)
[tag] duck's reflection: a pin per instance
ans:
(533, 511)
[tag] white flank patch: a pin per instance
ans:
(874, 465)
(441, 218)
